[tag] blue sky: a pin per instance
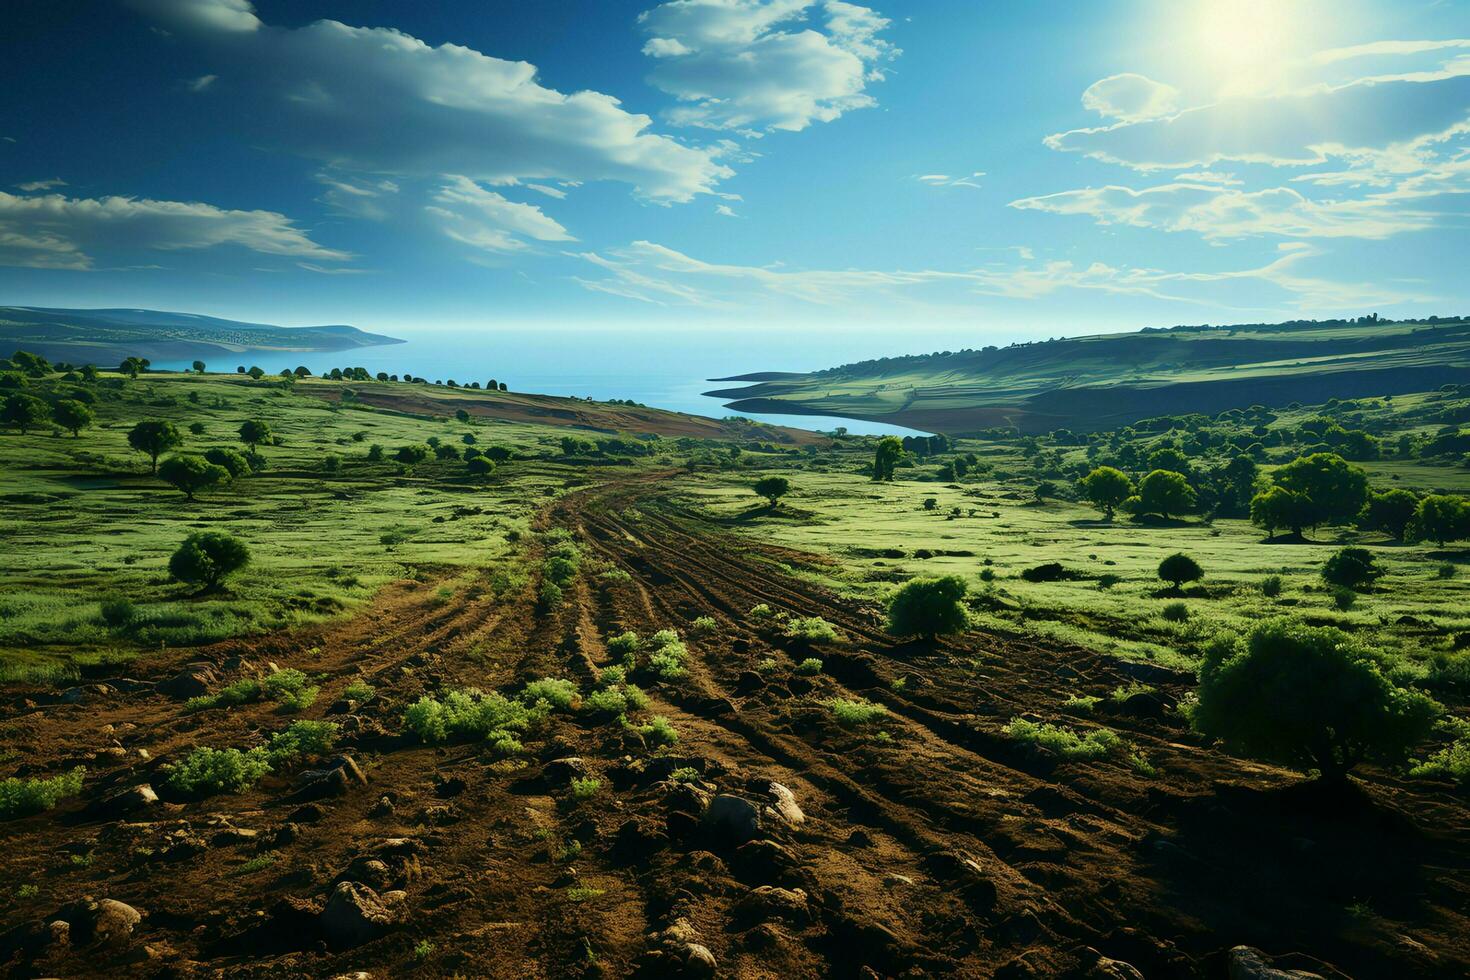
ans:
(980, 169)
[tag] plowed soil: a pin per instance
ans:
(939, 848)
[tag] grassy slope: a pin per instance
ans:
(1102, 381)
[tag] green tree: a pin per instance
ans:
(885, 458)
(132, 366)
(1310, 698)
(255, 373)
(1390, 512)
(1164, 492)
(1277, 508)
(1169, 459)
(1335, 489)
(153, 438)
(1106, 488)
(929, 607)
(773, 488)
(1351, 568)
(73, 416)
(205, 559)
(411, 455)
(1440, 518)
(254, 433)
(198, 367)
(1179, 568)
(191, 473)
(480, 466)
(236, 464)
(24, 411)
(462, 416)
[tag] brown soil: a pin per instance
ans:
(942, 849)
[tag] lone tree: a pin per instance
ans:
(411, 455)
(205, 559)
(255, 373)
(198, 367)
(1106, 488)
(1179, 568)
(461, 415)
(929, 607)
(1440, 518)
(885, 458)
(191, 473)
(480, 466)
(73, 416)
(1164, 492)
(24, 411)
(773, 488)
(1334, 489)
(153, 438)
(1389, 512)
(1279, 508)
(1308, 697)
(237, 464)
(255, 432)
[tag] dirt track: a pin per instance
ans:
(943, 850)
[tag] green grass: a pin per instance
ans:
(1066, 743)
(24, 797)
(855, 712)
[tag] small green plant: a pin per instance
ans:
(583, 893)
(809, 667)
(704, 626)
(1175, 612)
(359, 691)
(469, 714)
(206, 771)
(1344, 598)
(118, 613)
(1081, 702)
(27, 891)
(1064, 742)
(1446, 570)
(290, 688)
(1178, 569)
(549, 596)
(1450, 762)
(667, 654)
(1271, 586)
(854, 712)
(23, 797)
(812, 629)
(561, 695)
(258, 863)
(659, 731)
(766, 665)
(761, 612)
(585, 789)
(685, 774)
(423, 950)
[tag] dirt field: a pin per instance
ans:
(937, 848)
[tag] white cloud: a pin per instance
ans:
(1131, 97)
(1388, 48)
(31, 186)
(381, 101)
(486, 220)
(354, 197)
(201, 84)
(57, 232)
(945, 180)
(724, 210)
(746, 65)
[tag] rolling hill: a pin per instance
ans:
(1107, 380)
(107, 336)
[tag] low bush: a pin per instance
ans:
(1450, 762)
(1051, 571)
(561, 695)
(658, 731)
(1351, 568)
(855, 712)
(1344, 598)
(811, 629)
(1175, 612)
(1271, 586)
(290, 688)
(809, 667)
(1178, 569)
(624, 645)
(470, 714)
(585, 788)
(1064, 742)
(118, 613)
(23, 797)
(761, 612)
(206, 771)
(929, 607)
(359, 691)
(667, 654)
(704, 626)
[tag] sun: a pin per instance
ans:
(1240, 39)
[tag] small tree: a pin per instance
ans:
(1310, 698)
(1165, 492)
(1351, 568)
(24, 411)
(1278, 508)
(153, 438)
(236, 464)
(1440, 518)
(1389, 512)
(1106, 488)
(205, 559)
(411, 455)
(191, 474)
(198, 367)
(73, 416)
(885, 458)
(461, 415)
(255, 373)
(480, 466)
(773, 488)
(1179, 568)
(255, 432)
(929, 607)
(1335, 490)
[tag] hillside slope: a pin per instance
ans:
(1099, 382)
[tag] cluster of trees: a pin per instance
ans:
(192, 473)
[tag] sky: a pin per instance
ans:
(989, 169)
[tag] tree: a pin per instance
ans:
(462, 416)
(498, 453)
(1351, 568)
(929, 607)
(1440, 518)
(198, 367)
(1278, 508)
(1169, 459)
(205, 559)
(480, 466)
(255, 373)
(154, 438)
(132, 366)
(572, 446)
(1308, 697)
(773, 488)
(1335, 490)
(885, 457)
(24, 411)
(411, 455)
(255, 432)
(236, 464)
(73, 416)
(1179, 568)
(302, 371)
(1164, 492)
(191, 473)
(1106, 488)
(1389, 512)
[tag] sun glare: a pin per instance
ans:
(1244, 41)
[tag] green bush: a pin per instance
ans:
(1351, 568)
(929, 607)
(1450, 762)
(855, 712)
(659, 731)
(118, 613)
(809, 667)
(1175, 612)
(1064, 742)
(561, 695)
(205, 559)
(301, 738)
(1313, 698)
(470, 714)
(23, 797)
(206, 771)
(359, 691)
(761, 612)
(811, 629)
(290, 688)
(585, 788)
(705, 626)
(1178, 569)
(1343, 598)
(1051, 571)
(624, 644)
(1271, 586)
(244, 691)
(667, 654)
(549, 596)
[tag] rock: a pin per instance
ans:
(764, 861)
(699, 961)
(785, 806)
(893, 880)
(684, 798)
(195, 680)
(767, 902)
(370, 871)
(732, 818)
(1248, 963)
(124, 803)
(449, 788)
(113, 921)
(1144, 704)
(748, 682)
(564, 770)
(356, 914)
(310, 813)
(860, 838)
(1107, 968)
(680, 950)
(59, 932)
(383, 808)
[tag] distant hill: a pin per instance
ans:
(105, 337)
(1103, 381)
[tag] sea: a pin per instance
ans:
(660, 368)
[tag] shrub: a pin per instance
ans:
(1106, 488)
(206, 558)
(705, 626)
(624, 644)
(190, 474)
(761, 612)
(773, 488)
(929, 607)
(1064, 742)
(562, 571)
(1446, 570)
(1051, 571)
(1107, 580)
(359, 691)
(809, 667)
(659, 731)
(206, 771)
(549, 596)
(585, 788)
(480, 466)
(468, 714)
(812, 629)
(667, 655)
(855, 712)
(290, 688)
(118, 612)
(1343, 597)
(1351, 568)
(1308, 697)
(240, 692)
(1450, 762)
(1180, 568)
(301, 738)
(23, 797)
(559, 694)
(236, 464)
(1175, 612)
(1271, 586)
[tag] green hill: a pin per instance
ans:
(1107, 380)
